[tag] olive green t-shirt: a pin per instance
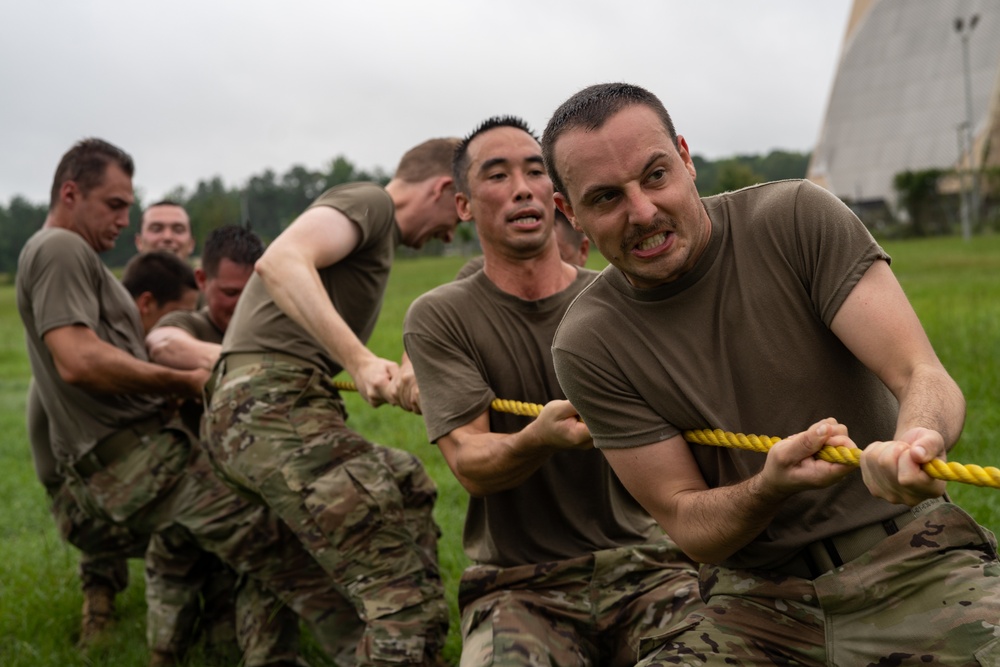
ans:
(471, 342)
(61, 281)
(355, 284)
(741, 343)
(195, 322)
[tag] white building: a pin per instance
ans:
(898, 100)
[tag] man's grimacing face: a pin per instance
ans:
(632, 191)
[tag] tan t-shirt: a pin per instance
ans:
(469, 343)
(61, 282)
(740, 343)
(355, 284)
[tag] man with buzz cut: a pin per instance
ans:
(567, 569)
(112, 423)
(275, 424)
(772, 311)
(165, 226)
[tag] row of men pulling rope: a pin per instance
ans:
(949, 471)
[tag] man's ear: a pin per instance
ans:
(200, 278)
(145, 302)
(463, 206)
(685, 153)
(562, 203)
(69, 193)
(441, 186)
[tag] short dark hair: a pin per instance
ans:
(161, 273)
(427, 160)
(460, 161)
(85, 164)
(590, 109)
(164, 202)
(233, 242)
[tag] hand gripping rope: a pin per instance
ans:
(949, 471)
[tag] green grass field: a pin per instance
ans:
(954, 287)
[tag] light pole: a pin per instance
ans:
(964, 31)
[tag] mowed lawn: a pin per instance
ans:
(954, 287)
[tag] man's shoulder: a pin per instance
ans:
(195, 322)
(55, 240)
(347, 194)
(773, 193)
(446, 297)
(54, 249)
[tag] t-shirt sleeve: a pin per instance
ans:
(834, 247)
(617, 415)
(63, 285)
(367, 205)
(453, 391)
(184, 320)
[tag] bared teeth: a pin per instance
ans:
(652, 241)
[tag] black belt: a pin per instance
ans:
(237, 360)
(824, 555)
(113, 447)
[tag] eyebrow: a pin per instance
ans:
(592, 190)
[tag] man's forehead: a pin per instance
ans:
(496, 142)
(165, 213)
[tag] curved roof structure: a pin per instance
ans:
(898, 100)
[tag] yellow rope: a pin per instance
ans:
(949, 471)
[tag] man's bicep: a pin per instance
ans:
(71, 347)
(658, 475)
(321, 235)
(452, 444)
(878, 325)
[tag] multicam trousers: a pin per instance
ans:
(587, 611)
(187, 593)
(276, 432)
(166, 484)
(927, 596)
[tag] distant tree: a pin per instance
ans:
(18, 222)
(714, 176)
(918, 196)
(734, 175)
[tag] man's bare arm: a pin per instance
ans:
(177, 348)
(321, 237)
(84, 360)
(877, 323)
(485, 462)
(710, 525)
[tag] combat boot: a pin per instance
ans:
(98, 612)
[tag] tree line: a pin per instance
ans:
(268, 202)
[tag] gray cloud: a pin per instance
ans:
(196, 89)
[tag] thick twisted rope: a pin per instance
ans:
(948, 471)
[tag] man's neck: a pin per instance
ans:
(530, 278)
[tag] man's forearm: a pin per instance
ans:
(933, 400)
(83, 360)
(176, 348)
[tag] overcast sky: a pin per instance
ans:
(226, 87)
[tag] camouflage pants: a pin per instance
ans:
(164, 484)
(926, 596)
(591, 610)
(104, 546)
(276, 432)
